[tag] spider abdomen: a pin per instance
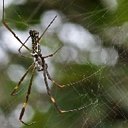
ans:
(39, 63)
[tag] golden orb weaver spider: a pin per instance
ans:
(38, 64)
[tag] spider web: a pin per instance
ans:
(92, 64)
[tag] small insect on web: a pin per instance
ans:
(38, 64)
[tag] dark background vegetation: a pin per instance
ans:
(101, 88)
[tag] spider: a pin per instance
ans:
(38, 64)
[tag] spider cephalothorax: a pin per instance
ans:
(36, 50)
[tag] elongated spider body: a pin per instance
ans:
(36, 51)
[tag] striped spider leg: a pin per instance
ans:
(10, 30)
(39, 65)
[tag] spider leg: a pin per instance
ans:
(53, 53)
(53, 99)
(47, 28)
(23, 45)
(14, 92)
(13, 33)
(26, 99)
(19, 50)
(49, 77)
(49, 93)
